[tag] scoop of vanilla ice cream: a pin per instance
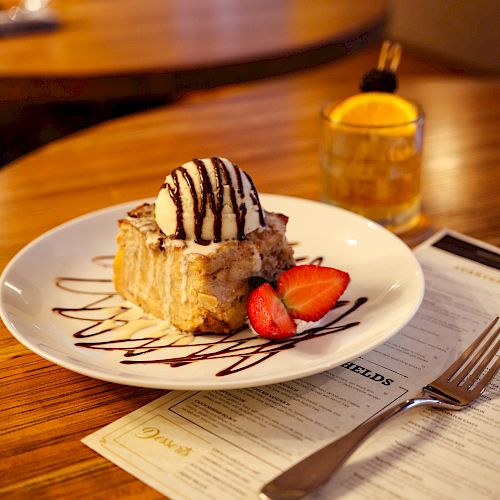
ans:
(208, 200)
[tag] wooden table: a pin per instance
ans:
(271, 130)
(130, 48)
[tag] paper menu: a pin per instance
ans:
(227, 444)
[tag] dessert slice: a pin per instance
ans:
(187, 258)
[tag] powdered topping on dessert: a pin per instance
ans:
(208, 200)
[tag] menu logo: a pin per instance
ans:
(365, 372)
(154, 433)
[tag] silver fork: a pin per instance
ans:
(456, 388)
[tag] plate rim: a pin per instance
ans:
(156, 382)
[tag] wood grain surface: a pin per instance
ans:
(131, 48)
(270, 129)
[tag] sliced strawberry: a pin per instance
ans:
(268, 315)
(309, 292)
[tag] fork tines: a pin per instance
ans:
(467, 369)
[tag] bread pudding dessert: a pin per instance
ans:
(188, 257)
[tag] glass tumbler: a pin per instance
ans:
(373, 170)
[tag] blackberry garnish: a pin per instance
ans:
(383, 78)
(379, 80)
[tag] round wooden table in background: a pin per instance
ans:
(117, 49)
(271, 130)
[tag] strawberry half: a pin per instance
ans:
(268, 315)
(309, 291)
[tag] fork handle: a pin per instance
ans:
(313, 471)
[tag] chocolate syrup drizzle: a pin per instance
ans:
(242, 349)
(212, 197)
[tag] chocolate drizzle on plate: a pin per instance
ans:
(211, 198)
(318, 261)
(112, 325)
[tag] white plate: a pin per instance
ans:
(382, 269)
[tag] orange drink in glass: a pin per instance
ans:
(370, 152)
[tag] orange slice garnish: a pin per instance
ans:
(376, 109)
